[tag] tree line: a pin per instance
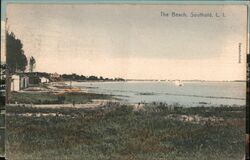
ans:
(76, 77)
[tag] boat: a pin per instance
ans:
(178, 83)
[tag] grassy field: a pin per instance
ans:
(120, 133)
(55, 98)
(2, 128)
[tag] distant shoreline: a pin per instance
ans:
(92, 78)
(152, 80)
(183, 80)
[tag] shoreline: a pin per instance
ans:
(62, 92)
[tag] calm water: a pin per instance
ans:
(191, 94)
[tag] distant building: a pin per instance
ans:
(44, 80)
(15, 83)
(55, 77)
(24, 82)
(19, 82)
(34, 80)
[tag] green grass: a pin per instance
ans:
(121, 134)
(2, 138)
(53, 98)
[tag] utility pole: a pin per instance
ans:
(3, 89)
(7, 73)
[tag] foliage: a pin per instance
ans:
(15, 57)
(32, 63)
(52, 98)
(76, 77)
(120, 133)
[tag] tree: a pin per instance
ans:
(15, 57)
(92, 78)
(32, 63)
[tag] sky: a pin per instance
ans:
(133, 41)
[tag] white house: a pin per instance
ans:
(44, 80)
(15, 83)
(24, 82)
(19, 82)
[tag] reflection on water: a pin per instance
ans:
(190, 94)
